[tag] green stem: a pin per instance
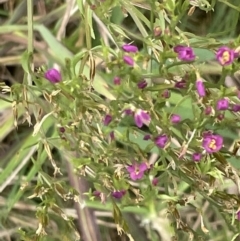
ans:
(30, 36)
(152, 16)
(87, 27)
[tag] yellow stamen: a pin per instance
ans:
(212, 144)
(137, 171)
(225, 57)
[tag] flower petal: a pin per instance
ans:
(138, 120)
(131, 168)
(142, 167)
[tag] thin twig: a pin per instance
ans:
(19, 167)
(86, 217)
(62, 30)
(30, 36)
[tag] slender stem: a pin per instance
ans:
(152, 33)
(191, 137)
(30, 36)
(87, 28)
(152, 16)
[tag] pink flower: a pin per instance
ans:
(220, 116)
(62, 129)
(130, 48)
(181, 84)
(222, 104)
(212, 143)
(184, 53)
(208, 110)
(175, 118)
(200, 88)
(161, 141)
(107, 120)
(96, 193)
(225, 55)
(128, 60)
(236, 54)
(166, 94)
(142, 84)
(136, 170)
(147, 137)
(117, 80)
(118, 194)
(53, 75)
(128, 112)
(112, 136)
(141, 117)
(155, 181)
(197, 157)
(235, 108)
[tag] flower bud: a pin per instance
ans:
(117, 80)
(128, 60)
(200, 88)
(142, 84)
(53, 75)
(107, 120)
(130, 48)
(175, 118)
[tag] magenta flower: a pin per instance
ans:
(212, 143)
(96, 193)
(128, 112)
(141, 117)
(235, 108)
(53, 75)
(147, 137)
(118, 194)
(197, 157)
(220, 116)
(128, 60)
(237, 53)
(184, 53)
(136, 170)
(166, 94)
(112, 136)
(225, 55)
(155, 181)
(208, 110)
(107, 120)
(161, 141)
(117, 80)
(200, 88)
(222, 104)
(181, 84)
(130, 48)
(142, 84)
(175, 118)
(62, 129)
